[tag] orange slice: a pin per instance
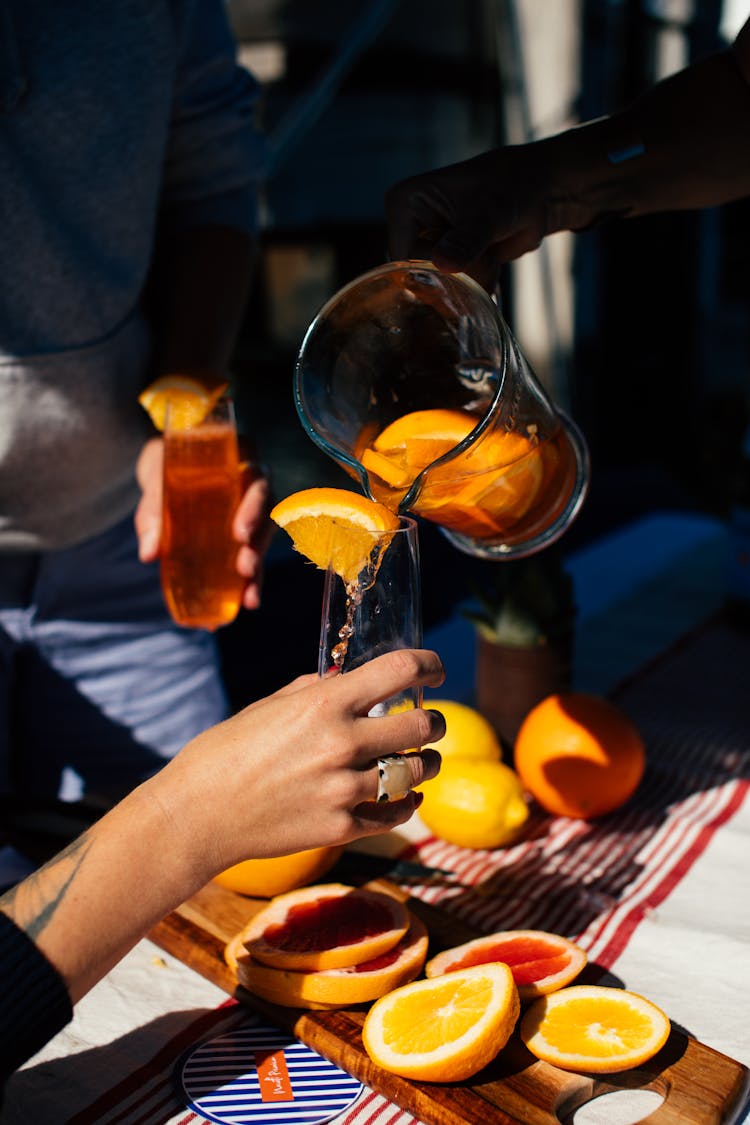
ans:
(496, 482)
(335, 527)
(426, 431)
(593, 1028)
(326, 926)
(404, 448)
(354, 984)
(481, 492)
(189, 400)
(443, 1029)
(540, 962)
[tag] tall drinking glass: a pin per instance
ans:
(201, 493)
(379, 613)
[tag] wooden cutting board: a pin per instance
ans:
(698, 1085)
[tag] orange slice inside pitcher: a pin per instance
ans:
(480, 492)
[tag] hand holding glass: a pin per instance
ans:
(202, 488)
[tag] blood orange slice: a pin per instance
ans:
(325, 926)
(338, 988)
(540, 962)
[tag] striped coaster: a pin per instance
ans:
(257, 1073)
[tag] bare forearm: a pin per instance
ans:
(88, 906)
(683, 145)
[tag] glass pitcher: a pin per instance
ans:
(411, 380)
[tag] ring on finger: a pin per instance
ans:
(394, 777)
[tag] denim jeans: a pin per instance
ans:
(97, 685)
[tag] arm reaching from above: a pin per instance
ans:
(682, 145)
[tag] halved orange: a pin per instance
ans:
(354, 984)
(325, 926)
(264, 878)
(593, 1028)
(443, 1029)
(335, 527)
(540, 962)
(189, 399)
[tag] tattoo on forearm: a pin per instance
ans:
(33, 902)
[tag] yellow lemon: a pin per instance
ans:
(264, 878)
(467, 733)
(474, 804)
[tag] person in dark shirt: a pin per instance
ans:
(241, 789)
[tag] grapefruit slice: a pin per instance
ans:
(338, 988)
(540, 962)
(325, 926)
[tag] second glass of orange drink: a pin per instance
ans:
(202, 488)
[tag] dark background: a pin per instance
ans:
(360, 94)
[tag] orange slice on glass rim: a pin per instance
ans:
(540, 962)
(189, 399)
(592, 1028)
(335, 527)
(443, 1029)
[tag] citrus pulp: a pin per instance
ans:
(325, 926)
(334, 527)
(354, 984)
(594, 1028)
(189, 399)
(443, 1029)
(540, 962)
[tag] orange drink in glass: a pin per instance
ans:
(201, 493)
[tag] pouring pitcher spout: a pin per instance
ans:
(412, 381)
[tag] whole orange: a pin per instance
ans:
(264, 878)
(579, 755)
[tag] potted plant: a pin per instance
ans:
(524, 612)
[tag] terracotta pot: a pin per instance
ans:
(510, 681)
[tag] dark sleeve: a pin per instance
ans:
(35, 1004)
